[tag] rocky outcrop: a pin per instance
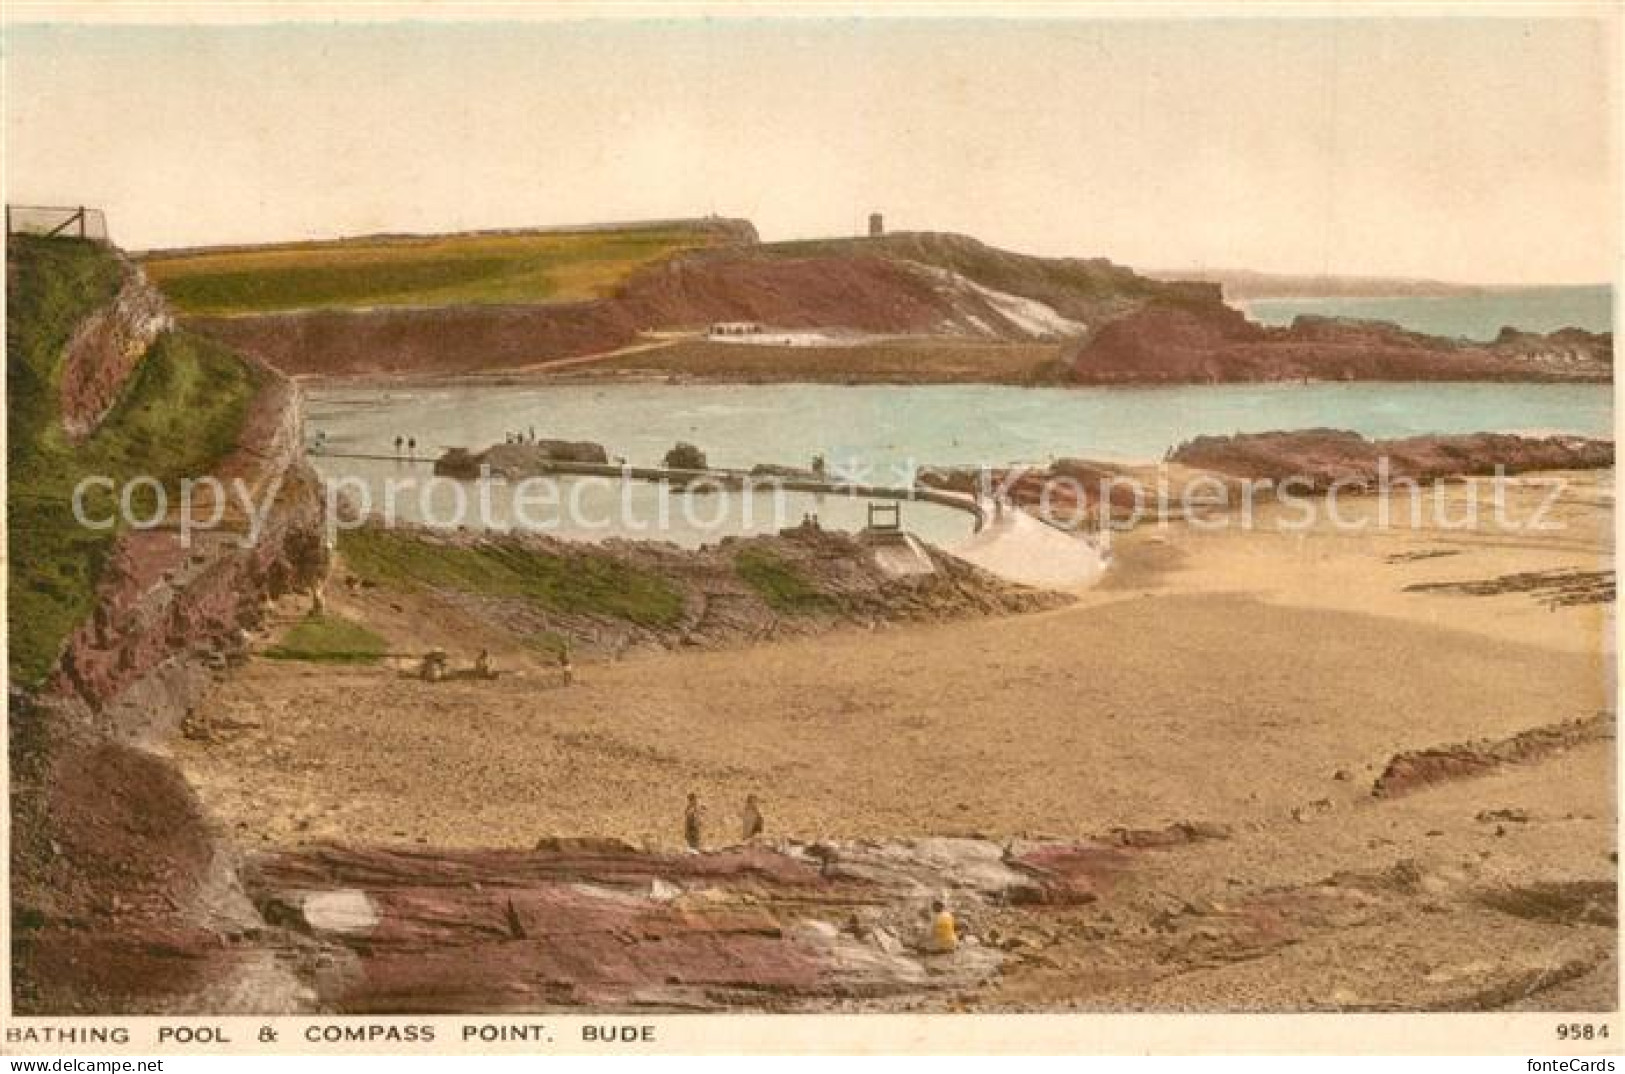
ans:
(1089, 290)
(1573, 348)
(1208, 342)
(514, 461)
(106, 349)
(1415, 770)
(600, 925)
(805, 581)
(856, 289)
(123, 899)
(1561, 587)
(1320, 457)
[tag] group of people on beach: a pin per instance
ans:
(750, 817)
(410, 443)
(941, 934)
(520, 436)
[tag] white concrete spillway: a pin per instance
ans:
(1019, 548)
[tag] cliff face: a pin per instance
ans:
(1123, 327)
(909, 284)
(454, 339)
(106, 349)
(123, 898)
(167, 616)
(1207, 342)
(1089, 290)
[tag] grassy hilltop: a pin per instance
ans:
(438, 270)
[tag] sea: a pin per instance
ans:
(1479, 316)
(881, 434)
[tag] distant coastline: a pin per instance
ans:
(1476, 315)
(1242, 285)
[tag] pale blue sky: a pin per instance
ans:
(1474, 149)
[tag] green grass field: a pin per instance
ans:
(779, 583)
(442, 270)
(329, 639)
(584, 583)
(180, 413)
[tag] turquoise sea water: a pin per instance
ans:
(883, 427)
(1478, 316)
(879, 433)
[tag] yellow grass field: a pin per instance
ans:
(440, 270)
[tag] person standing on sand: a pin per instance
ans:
(397, 447)
(693, 822)
(412, 448)
(943, 937)
(751, 819)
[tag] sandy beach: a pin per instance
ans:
(1218, 674)
(1257, 681)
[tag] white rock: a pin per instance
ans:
(339, 911)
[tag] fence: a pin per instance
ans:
(50, 220)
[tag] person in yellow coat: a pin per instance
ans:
(944, 935)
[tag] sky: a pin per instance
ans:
(1472, 149)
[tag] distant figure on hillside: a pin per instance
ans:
(694, 822)
(565, 667)
(751, 819)
(482, 665)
